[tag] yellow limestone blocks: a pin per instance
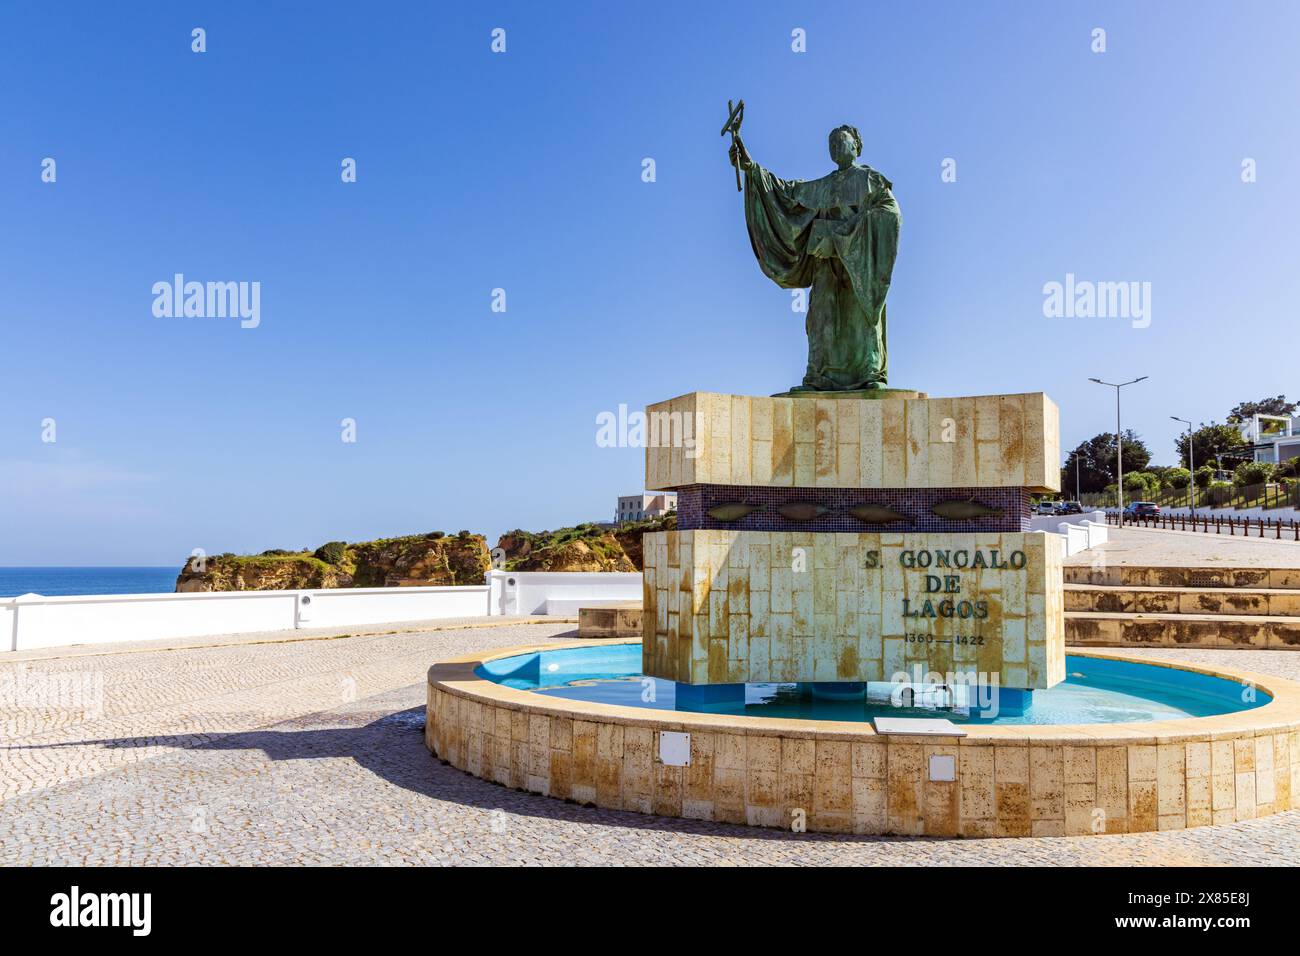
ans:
(844, 778)
(991, 441)
(772, 606)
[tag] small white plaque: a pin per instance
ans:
(943, 768)
(918, 726)
(674, 748)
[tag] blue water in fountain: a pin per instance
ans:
(1095, 691)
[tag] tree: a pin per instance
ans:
(1095, 460)
(1142, 484)
(1252, 473)
(1177, 478)
(1209, 439)
(1278, 405)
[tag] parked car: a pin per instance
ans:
(1069, 508)
(1141, 509)
(1046, 508)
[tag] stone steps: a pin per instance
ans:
(1131, 576)
(614, 620)
(1245, 631)
(1226, 607)
(1274, 602)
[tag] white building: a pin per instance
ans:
(1273, 438)
(639, 507)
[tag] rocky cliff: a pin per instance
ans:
(585, 547)
(420, 559)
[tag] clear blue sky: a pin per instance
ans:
(523, 171)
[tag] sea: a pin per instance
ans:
(52, 582)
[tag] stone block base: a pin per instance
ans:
(758, 606)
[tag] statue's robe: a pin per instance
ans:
(839, 235)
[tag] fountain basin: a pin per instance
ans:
(1177, 748)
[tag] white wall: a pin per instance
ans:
(103, 618)
(33, 621)
(1081, 532)
(341, 607)
(1053, 522)
(560, 592)
(1081, 537)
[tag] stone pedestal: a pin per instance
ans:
(846, 540)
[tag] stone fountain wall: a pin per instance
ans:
(1049, 780)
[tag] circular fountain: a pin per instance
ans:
(1121, 745)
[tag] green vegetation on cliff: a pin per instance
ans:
(413, 560)
(584, 547)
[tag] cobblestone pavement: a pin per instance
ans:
(311, 752)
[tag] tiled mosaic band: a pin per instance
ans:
(993, 441)
(1061, 780)
(694, 502)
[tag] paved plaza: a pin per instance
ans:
(1151, 547)
(308, 750)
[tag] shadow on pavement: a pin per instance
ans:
(391, 746)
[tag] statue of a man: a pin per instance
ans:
(839, 235)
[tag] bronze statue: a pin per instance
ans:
(839, 235)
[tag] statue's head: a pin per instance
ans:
(846, 145)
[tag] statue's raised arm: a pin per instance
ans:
(740, 156)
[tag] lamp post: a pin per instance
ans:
(1119, 441)
(1191, 462)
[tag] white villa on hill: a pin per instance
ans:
(639, 507)
(1273, 438)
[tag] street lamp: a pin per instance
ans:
(1119, 441)
(1191, 461)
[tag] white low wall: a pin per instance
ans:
(560, 592)
(1081, 532)
(342, 607)
(34, 621)
(1053, 522)
(1081, 537)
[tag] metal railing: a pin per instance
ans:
(1277, 528)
